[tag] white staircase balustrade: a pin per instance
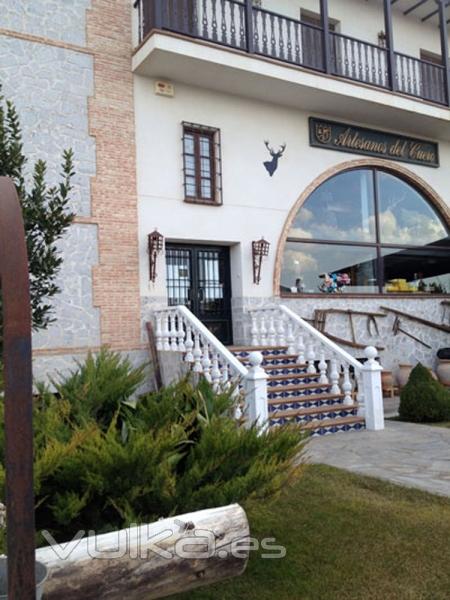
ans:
(177, 329)
(322, 356)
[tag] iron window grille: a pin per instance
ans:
(202, 164)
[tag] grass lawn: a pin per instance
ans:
(347, 537)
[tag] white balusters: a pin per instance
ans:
(311, 358)
(206, 363)
(272, 333)
(290, 338)
(178, 330)
(189, 345)
(197, 354)
(323, 379)
(254, 330)
(263, 330)
(180, 334)
(173, 333)
(281, 331)
(225, 376)
(347, 386)
(334, 376)
(301, 350)
(158, 332)
(166, 333)
(215, 371)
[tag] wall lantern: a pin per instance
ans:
(155, 247)
(260, 249)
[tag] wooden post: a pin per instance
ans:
(18, 396)
(444, 48)
(249, 26)
(390, 44)
(326, 45)
(150, 561)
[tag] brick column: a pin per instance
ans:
(113, 190)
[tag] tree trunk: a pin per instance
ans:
(150, 561)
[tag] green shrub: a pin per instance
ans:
(99, 387)
(423, 399)
(103, 461)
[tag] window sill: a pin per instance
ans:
(202, 202)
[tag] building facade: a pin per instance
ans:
(224, 123)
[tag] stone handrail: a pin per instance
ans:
(279, 325)
(321, 338)
(177, 329)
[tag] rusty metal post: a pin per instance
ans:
(18, 396)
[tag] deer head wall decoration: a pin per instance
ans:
(272, 165)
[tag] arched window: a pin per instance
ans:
(366, 231)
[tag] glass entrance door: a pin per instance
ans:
(199, 277)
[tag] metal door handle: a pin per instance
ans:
(201, 294)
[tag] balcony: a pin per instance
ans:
(239, 25)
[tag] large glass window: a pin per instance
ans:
(366, 231)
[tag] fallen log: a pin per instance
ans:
(150, 561)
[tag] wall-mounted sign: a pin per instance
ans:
(370, 142)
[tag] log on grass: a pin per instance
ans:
(151, 561)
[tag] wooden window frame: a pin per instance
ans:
(215, 160)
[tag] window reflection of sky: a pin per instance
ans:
(343, 210)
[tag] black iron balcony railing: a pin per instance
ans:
(240, 25)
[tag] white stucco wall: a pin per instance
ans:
(254, 204)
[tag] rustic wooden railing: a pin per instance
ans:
(240, 25)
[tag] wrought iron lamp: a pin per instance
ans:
(260, 249)
(155, 247)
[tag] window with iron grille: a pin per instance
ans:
(202, 164)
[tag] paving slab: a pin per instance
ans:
(404, 453)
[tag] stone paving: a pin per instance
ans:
(404, 453)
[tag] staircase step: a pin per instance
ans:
(273, 359)
(293, 376)
(298, 367)
(311, 412)
(323, 398)
(328, 426)
(249, 349)
(306, 389)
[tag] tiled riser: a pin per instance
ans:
(299, 393)
(331, 430)
(336, 414)
(338, 429)
(293, 381)
(317, 403)
(268, 352)
(285, 371)
(279, 361)
(289, 392)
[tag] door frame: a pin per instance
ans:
(194, 288)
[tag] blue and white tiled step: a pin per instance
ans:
(296, 396)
